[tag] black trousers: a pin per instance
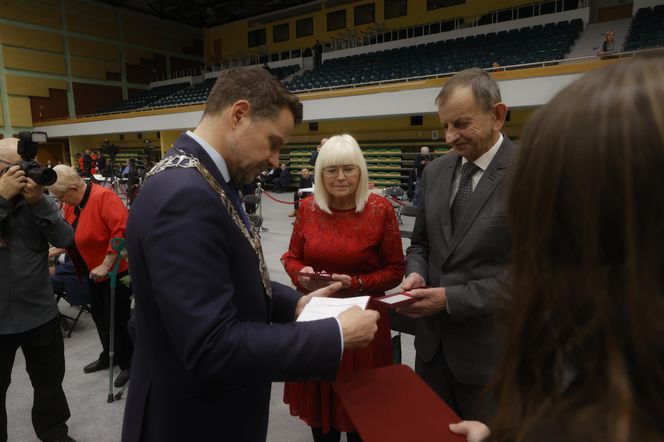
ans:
(100, 303)
(44, 353)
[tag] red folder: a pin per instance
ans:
(393, 404)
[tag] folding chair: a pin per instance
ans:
(396, 195)
(257, 221)
(67, 286)
(408, 211)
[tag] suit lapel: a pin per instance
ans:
(490, 180)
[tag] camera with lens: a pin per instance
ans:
(27, 148)
(110, 149)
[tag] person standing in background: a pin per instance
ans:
(29, 316)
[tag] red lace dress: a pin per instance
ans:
(368, 245)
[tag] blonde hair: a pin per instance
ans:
(341, 150)
(67, 178)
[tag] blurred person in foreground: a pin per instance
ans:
(585, 355)
(29, 316)
(98, 215)
(353, 234)
(213, 331)
(460, 246)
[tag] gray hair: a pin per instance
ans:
(485, 88)
(67, 178)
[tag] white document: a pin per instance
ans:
(321, 308)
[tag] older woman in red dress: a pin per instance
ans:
(353, 234)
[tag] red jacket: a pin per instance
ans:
(103, 217)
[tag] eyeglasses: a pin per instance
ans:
(333, 171)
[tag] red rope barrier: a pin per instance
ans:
(277, 200)
(396, 200)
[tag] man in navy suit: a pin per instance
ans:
(212, 330)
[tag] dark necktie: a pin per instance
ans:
(464, 192)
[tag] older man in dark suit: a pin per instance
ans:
(460, 246)
(212, 330)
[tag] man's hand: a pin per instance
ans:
(32, 192)
(413, 281)
(99, 272)
(324, 292)
(429, 301)
(358, 326)
(12, 182)
(474, 431)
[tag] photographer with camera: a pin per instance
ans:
(29, 316)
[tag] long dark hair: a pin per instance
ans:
(585, 347)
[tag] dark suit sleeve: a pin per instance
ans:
(284, 301)
(417, 255)
(477, 298)
(189, 251)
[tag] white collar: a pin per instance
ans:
(214, 155)
(485, 159)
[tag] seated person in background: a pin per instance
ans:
(608, 46)
(585, 355)
(268, 177)
(306, 182)
(283, 181)
(353, 234)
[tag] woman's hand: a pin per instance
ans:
(99, 272)
(474, 431)
(345, 280)
(312, 284)
(54, 252)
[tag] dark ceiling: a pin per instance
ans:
(205, 13)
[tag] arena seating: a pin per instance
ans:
(517, 46)
(182, 94)
(284, 71)
(647, 30)
(146, 99)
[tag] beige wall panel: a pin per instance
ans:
(33, 61)
(31, 38)
(30, 86)
(2, 117)
(96, 69)
(87, 48)
(133, 56)
(105, 26)
(141, 37)
(19, 110)
(36, 12)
